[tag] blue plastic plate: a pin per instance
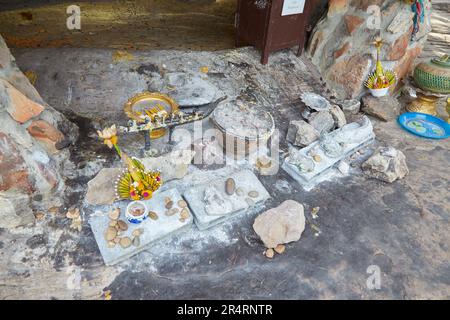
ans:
(424, 125)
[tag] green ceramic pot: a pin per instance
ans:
(434, 75)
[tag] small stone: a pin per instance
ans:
(386, 164)
(263, 162)
(250, 202)
(317, 158)
(314, 212)
(182, 203)
(280, 248)
(110, 233)
(322, 121)
(136, 242)
(39, 215)
(116, 239)
(344, 167)
(114, 214)
(269, 253)
(73, 213)
(122, 225)
(125, 242)
(230, 186)
(169, 204)
(136, 233)
(253, 194)
(182, 220)
(153, 215)
(338, 116)
(171, 212)
(184, 213)
(167, 200)
(113, 223)
(239, 192)
(111, 244)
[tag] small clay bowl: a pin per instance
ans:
(130, 215)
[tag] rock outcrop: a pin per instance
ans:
(341, 42)
(31, 136)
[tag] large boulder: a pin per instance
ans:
(386, 164)
(341, 43)
(280, 225)
(31, 140)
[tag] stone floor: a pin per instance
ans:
(400, 227)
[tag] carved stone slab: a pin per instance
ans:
(245, 180)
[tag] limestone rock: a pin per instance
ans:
(348, 74)
(340, 42)
(350, 107)
(386, 164)
(172, 166)
(216, 203)
(29, 136)
(46, 134)
(101, 188)
(352, 23)
(281, 225)
(14, 171)
(338, 116)
(402, 22)
(301, 134)
(384, 108)
(15, 210)
(17, 104)
(322, 121)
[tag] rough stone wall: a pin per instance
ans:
(341, 42)
(33, 137)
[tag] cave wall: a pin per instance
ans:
(341, 43)
(33, 145)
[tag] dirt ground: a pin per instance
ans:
(401, 227)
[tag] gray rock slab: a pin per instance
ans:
(154, 230)
(191, 89)
(245, 179)
(355, 138)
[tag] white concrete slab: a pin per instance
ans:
(154, 230)
(245, 179)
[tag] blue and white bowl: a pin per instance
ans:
(136, 219)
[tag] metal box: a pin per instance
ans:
(269, 25)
